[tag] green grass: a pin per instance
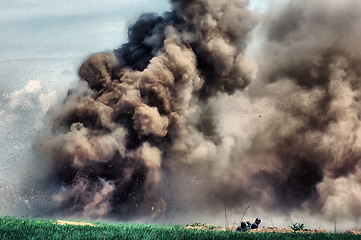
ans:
(12, 228)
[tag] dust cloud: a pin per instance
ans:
(182, 121)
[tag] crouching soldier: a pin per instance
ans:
(244, 227)
(256, 223)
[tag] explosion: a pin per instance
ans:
(180, 117)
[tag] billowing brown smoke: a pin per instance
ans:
(310, 74)
(136, 113)
(176, 120)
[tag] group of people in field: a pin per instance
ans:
(245, 226)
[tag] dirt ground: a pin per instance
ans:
(267, 230)
(83, 223)
(353, 232)
(286, 230)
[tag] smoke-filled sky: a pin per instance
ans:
(203, 105)
(42, 45)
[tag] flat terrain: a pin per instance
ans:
(13, 228)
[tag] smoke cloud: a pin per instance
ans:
(181, 120)
(310, 67)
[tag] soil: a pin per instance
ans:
(353, 232)
(286, 230)
(62, 222)
(203, 227)
(266, 230)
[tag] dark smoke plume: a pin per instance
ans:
(178, 120)
(129, 126)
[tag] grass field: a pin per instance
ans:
(12, 228)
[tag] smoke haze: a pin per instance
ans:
(183, 120)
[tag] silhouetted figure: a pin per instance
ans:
(244, 227)
(256, 223)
